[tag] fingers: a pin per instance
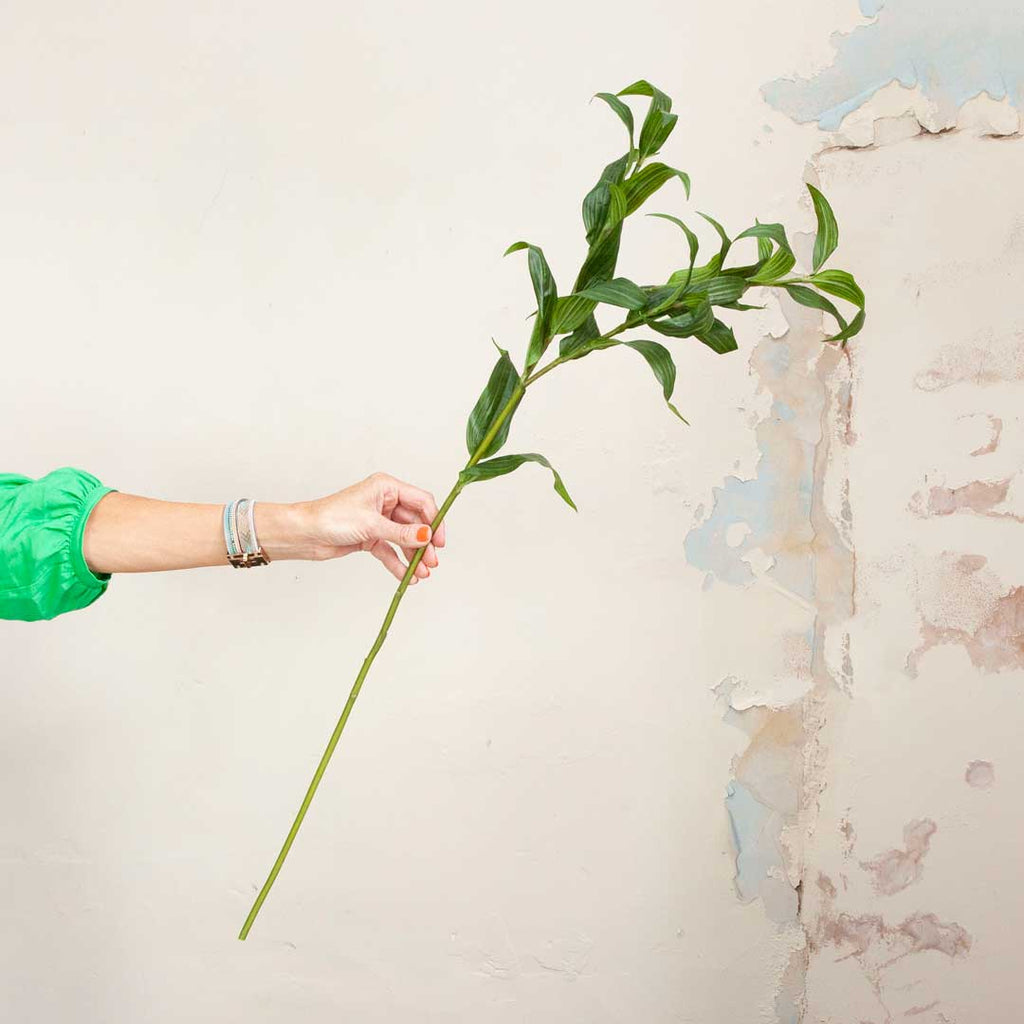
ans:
(405, 535)
(402, 514)
(399, 494)
(387, 555)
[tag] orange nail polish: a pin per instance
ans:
(423, 533)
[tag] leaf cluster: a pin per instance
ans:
(688, 304)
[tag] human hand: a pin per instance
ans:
(371, 516)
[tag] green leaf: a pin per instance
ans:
(584, 339)
(777, 265)
(570, 312)
(506, 464)
(672, 293)
(773, 265)
(546, 293)
(691, 238)
(494, 398)
(686, 325)
(726, 243)
(698, 276)
(618, 292)
(597, 202)
(839, 283)
(663, 367)
(827, 237)
(657, 127)
(764, 248)
(719, 338)
(855, 327)
(776, 232)
(595, 209)
(620, 108)
(642, 88)
(601, 259)
(725, 288)
(641, 186)
(814, 300)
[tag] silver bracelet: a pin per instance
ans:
(243, 546)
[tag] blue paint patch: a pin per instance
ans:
(952, 50)
(755, 829)
(739, 501)
(757, 504)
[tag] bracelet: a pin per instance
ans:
(243, 546)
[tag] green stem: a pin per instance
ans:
(477, 455)
(517, 394)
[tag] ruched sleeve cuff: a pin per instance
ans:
(43, 571)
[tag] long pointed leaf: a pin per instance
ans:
(570, 312)
(839, 283)
(641, 186)
(546, 294)
(492, 400)
(625, 115)
(814, 300)
(827, 237)
(719, 338)
(586, 338)
(618, 292)
(686, 325)
(726, 242)
(508, 463)
(600, 262)
(662, 365)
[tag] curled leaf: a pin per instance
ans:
(662, 366)
(726, 242)
(686, 325)
(641, 186)
(506, 464)
(625, 115)
(546, 294)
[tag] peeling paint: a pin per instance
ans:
(780, 530)
(950, 51)
(981, 497)
(963, 602)
(877, 946)
(984, 360)
(895, 870)
(995, 425)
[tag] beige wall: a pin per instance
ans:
(255, 251)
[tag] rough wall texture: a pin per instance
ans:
(739, 744)
(888, 499)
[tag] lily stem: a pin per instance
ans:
(477, 455)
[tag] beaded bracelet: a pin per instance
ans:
(240, 538)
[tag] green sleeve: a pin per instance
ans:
(43, 572)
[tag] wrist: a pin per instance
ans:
(285, 531)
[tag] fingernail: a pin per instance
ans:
(423, 533)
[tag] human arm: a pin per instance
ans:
(63, 535)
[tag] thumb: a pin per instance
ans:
(405, 535)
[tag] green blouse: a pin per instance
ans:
(42, 569)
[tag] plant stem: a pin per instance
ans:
(477, 455)
(517, 394)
